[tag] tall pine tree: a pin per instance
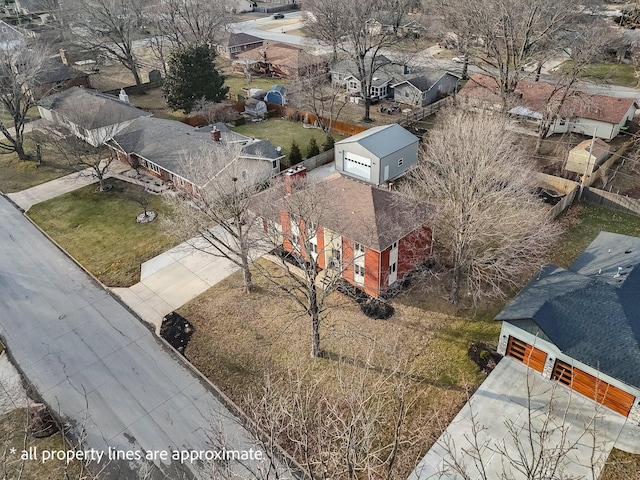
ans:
(191, 76)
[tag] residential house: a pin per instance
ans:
(425, 88)
(10, 37)
(580, 325)
(56, 75)
(27, 7)
(371, 236)
(586, 156)
(377, 155)
(93, 116)
(345, 74)
(232, 44)
(281, 60)
(583, 113)
(163, 148)
(240, 6)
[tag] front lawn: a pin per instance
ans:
(282, 132)
(613, 73)
(237, 347)
(584, 221)
(100, 231)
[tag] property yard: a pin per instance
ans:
(282, 132)
(621, 466)
(153, 101)
(100, 231)
(613, 73)
(238, 83)
(16, 175)
(237, 347)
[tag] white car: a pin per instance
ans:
(458, 60)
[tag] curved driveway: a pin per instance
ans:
(94, 363)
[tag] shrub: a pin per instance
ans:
(328, 143)
(313, 149)
(295, 156)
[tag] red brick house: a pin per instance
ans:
(372, 237)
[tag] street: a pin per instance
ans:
(112, 384)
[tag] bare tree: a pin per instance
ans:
(219, 217)
(362, 30)
(355, 423)
(491, 226)
(110, 27)
(19, 71)
(190, 21)
(510, 34)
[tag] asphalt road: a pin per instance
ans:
(108, 378)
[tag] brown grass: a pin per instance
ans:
(240, 338)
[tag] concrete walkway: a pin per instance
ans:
(501, 400)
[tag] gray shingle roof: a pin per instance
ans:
(91, 109)
(239, 39)
(53, 71)
(382, 140)
(589, 311)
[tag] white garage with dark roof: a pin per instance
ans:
(581, 325)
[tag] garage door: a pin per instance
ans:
(527, 354)
(612, 397)
(357, 165)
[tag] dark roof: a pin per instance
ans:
(372, 216)
(239, 39)
(168, 143)
(534, 96)
(91, 109)
(54, 71)
(591, 311)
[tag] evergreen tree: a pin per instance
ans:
(191, 77)
(328, 143)
(295, 156)
(313, 149)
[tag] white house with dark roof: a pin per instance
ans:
(163, 148)
(377, 155)
(93, 116)
(581, 325)
(233, 43)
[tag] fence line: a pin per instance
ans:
(612, 200)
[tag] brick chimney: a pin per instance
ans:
(293, 178)
(215, 134)
(63, 57)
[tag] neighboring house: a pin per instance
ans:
(377, 155)
(426, 88)
(240, 6)
(232, 44)
(584, 157)
(581, 325)
(56, 76)
(163, 149)
(373, 236)
(582, 113)
(277, 94)
(35, 6)
(345, 74)
(282, 60)
(93, 116)
(255, 107)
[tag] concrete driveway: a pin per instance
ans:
(503, 400)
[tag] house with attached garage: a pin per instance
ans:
(425, 88)
(581, 325)
(377, 155)
(591, 115)
(90, 115)
(163, 148)
(372, 237)
(231, 44)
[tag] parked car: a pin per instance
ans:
(460, 60)
(277, 16)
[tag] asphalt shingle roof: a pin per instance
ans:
(591, 311)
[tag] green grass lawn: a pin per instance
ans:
(283, 132)
(16, 175)
(614, 73)
(584, 222)
(5, 118)
(100, 231)
(237, 83)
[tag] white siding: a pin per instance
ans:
(357, 165)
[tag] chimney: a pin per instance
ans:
(405, 70)
(123, 96)
(293, 178)
(63, 57)
(215, 134)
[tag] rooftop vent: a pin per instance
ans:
(619, 274)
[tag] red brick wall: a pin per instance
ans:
(384, 269)
(372, 272)
(321, 248)
(413, 250)
(286, 231)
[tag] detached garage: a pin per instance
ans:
(581, 325)
(377, 155)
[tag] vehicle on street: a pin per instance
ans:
(277, 16)
(459, 60)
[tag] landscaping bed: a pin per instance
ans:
(100, 230)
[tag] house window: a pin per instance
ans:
(400, 161)
(394, 246)
(358, 248)
(358, 274)
(244, 175)
(336, 258)
(392, 268)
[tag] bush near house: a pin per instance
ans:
(295, 156)
(313, 149)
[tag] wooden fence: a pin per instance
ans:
(337, 126)
(612, 200)
(415, 116)
(602, 170)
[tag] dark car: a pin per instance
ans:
(549, 196)
(277, 16)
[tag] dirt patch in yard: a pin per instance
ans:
(177, 331)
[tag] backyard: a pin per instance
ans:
(613, 73)
(100, 231)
